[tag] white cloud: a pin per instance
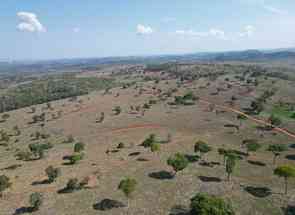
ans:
(248, 31)
(141, 29)
(212, 32)
(76, 30)
(29, 22)
(217, 33)
(274, 10)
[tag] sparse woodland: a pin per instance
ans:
(197, 138)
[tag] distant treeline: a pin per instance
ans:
(50, 89)
(158, 67)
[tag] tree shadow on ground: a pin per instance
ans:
(66, 190)
(161, 175)
(108, 204)
(256, 163)
(290, 157)
(240, 153)
(134, 154)
(11, 167)
(209, 179)
(192, 158)
(142, 159)
(114, 150)
(179, 210)
(209, 164)
(289, 210)
(67, 163)
(23, 210)
(260, 192)
(45, 181)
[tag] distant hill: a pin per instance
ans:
(283, 55)
(254, 55)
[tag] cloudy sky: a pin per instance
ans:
(50, 29)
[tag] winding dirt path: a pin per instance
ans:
(259, 121)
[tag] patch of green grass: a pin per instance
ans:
(279, 111)
(282, 111)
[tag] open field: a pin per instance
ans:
(219, 92)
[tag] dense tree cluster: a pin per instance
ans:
(50, 89)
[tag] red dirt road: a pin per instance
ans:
(259, 121)
(136, 126)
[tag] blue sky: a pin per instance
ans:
(50, 29)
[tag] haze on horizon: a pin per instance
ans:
(89, 28)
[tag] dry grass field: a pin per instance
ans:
(155, 194)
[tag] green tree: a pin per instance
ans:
(128, 186)
(52, 173)
(202, 148)
(204, 204)
(117, 110)
(241, 118)
(178, 162)
(274, 120)
(230, 165)
(285, 172)
(276, 149)
(252, 147)
(36, 200)
(4, 184)
(37, 150)
(149, 141)
(155, 147)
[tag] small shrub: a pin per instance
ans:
(204, 204)
(127, 186)
(4, 183)
(36, 200)
(202, 147)
(24, 155)
(121, 145)
(72, 185)
(75, 158)
(79, 147)
(52, 173)
(178, 162)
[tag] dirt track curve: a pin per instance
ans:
(260, 121)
